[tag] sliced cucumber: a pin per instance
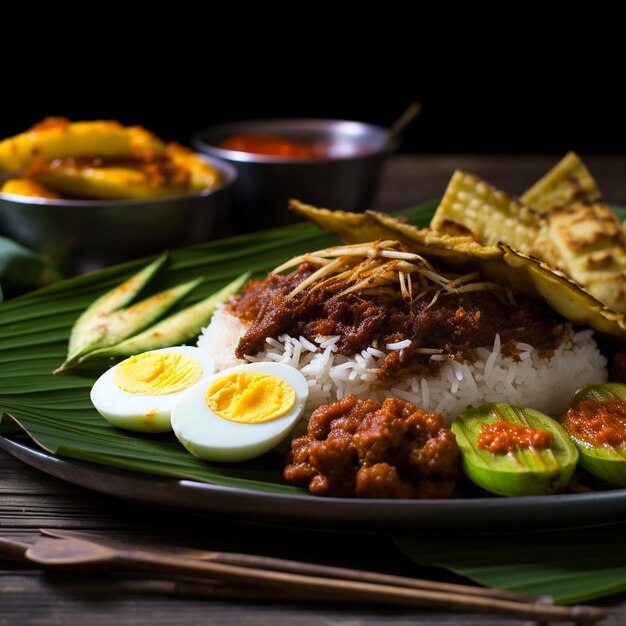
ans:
(524, 472)
(605, 461)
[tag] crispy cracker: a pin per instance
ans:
(567, 182)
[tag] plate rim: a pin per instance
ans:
(309, 511)
(365, 514)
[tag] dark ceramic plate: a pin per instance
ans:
(468, 514)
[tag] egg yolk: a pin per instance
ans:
(157, 373)
(250, 397)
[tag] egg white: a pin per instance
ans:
(213, 438)
(138, 412)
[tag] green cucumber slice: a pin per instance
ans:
(524, 472)
(607, 462)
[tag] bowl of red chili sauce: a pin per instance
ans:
(336, 164)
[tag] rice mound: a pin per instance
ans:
(546, 385)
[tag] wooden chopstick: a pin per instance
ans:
(299, 567)
(363, 591)
(314, 569)
(54, 551)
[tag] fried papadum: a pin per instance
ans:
(563, 222)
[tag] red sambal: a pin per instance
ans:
(502, 437)
(598, 422)
(270, 145)
(358, 448)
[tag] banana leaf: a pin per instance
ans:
(572, 566)
(22, 269)
(55, 411)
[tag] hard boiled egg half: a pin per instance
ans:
(240, 413)
(138, 394)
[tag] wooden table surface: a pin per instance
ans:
(30, 500)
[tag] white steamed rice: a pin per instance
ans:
(545, 385)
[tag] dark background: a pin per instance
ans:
(498, 81)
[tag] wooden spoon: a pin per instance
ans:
(81, 554)
(298, 567)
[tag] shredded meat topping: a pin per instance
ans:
(356, 448)
(454, 325)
